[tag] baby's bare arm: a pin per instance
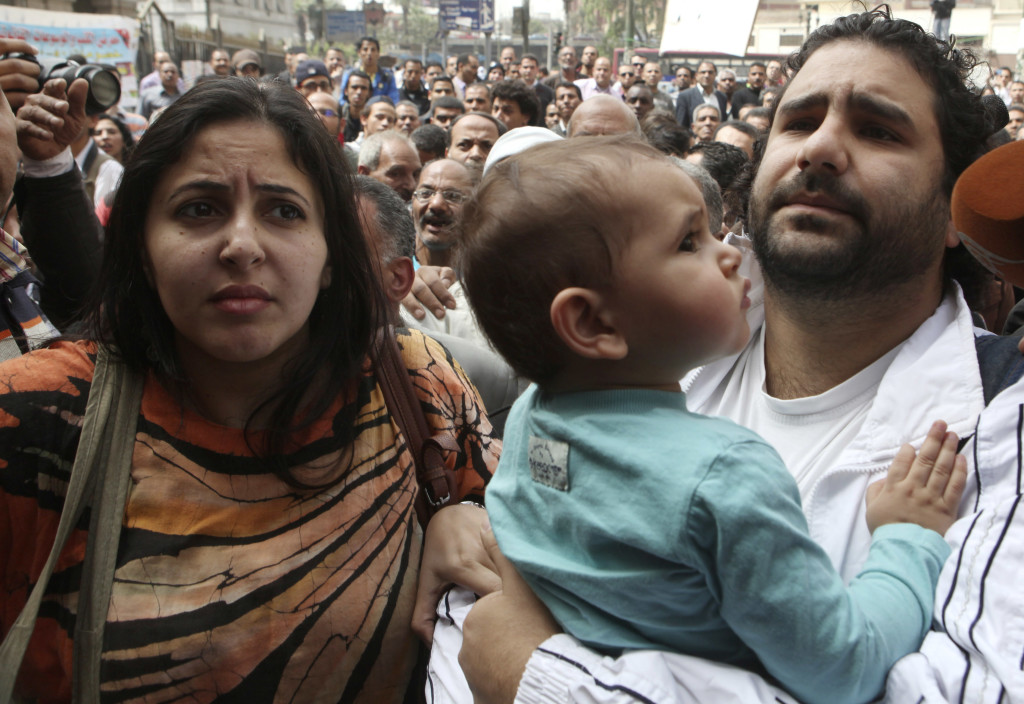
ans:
(923, 487)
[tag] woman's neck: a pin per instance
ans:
(228, 392)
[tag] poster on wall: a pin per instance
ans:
(104, 39)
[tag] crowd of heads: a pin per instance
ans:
(431, 146)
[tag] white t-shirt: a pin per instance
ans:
(809, 433)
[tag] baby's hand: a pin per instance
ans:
(924, 489)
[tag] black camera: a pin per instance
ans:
(104, 83)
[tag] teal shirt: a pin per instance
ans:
(643, 525)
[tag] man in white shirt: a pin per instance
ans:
(860, 339)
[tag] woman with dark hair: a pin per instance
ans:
(113, 137)
(269, 548)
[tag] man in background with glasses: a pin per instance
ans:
(443, 188)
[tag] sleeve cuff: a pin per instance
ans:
(54, 166)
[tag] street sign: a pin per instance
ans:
(345, 22)
(473, 15)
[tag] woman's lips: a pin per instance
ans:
(241, 300)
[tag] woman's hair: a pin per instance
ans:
(127, 314)
(126, 135)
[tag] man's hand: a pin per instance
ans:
(51, 120)
(430, 291)
(453, 553)
(923, 487)
(18, 78)
(501, 632)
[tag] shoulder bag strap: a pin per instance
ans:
(109, 495)
(103, 395)
(437, 482)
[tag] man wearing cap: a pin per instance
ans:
(246, 63)
(382, 80)
(312, 76)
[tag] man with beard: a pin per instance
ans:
(443, 187)
(567, 68)
(860, 338)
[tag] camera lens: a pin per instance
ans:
(104, 87)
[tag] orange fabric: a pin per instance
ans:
(229, 582)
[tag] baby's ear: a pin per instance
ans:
(583, 322)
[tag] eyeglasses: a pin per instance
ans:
(313, 85)
(327, 112)
(450, 196)
(638, 64)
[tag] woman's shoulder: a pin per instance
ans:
(62, 366)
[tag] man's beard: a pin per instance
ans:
(875, 249)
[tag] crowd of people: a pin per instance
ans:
(759, 443)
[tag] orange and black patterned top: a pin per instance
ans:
(230, 585)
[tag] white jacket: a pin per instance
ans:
(977, 648)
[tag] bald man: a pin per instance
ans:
(603, 115)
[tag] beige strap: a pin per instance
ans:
(113, 387)
(108, 499)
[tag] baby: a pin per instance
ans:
(590, 266)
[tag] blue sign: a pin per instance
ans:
(474, 15)
(345, 22)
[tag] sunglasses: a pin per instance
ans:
(627, 74)
(313, 85)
